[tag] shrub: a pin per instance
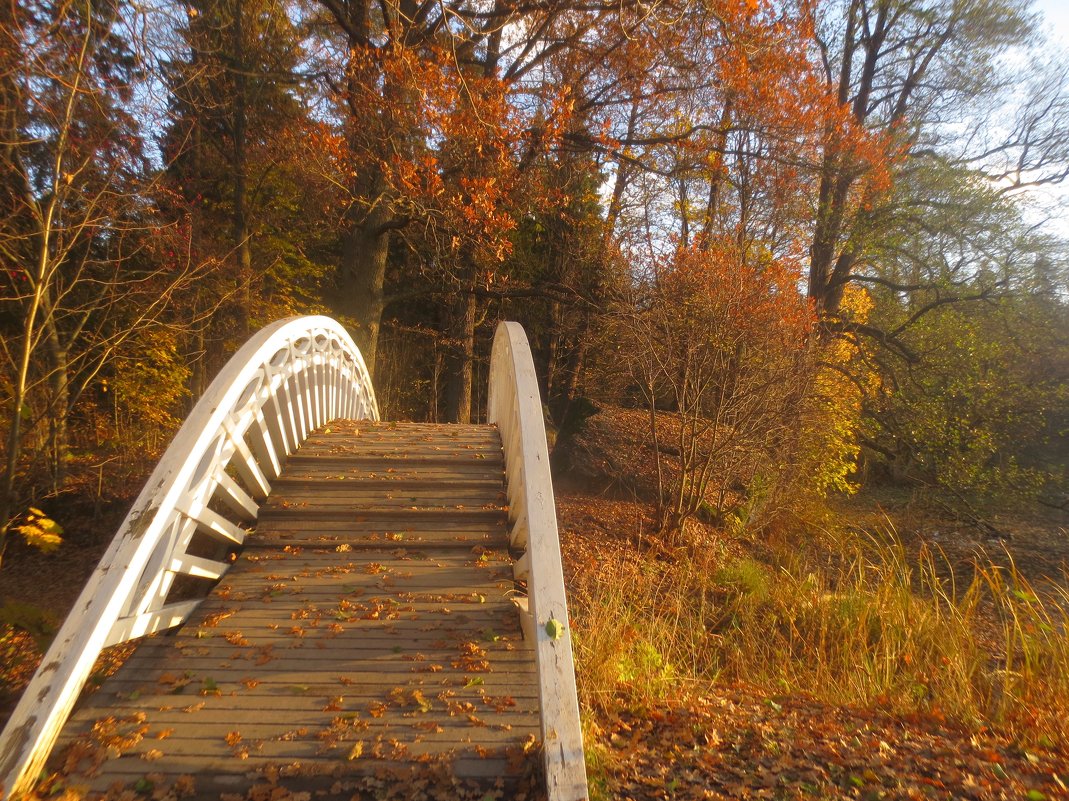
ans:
(722, 340)
(877, 628)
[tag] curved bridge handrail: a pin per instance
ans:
(515, 406)
(290, 378)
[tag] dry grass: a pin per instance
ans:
(871, 627)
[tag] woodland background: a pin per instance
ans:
(768, 253)
(808, 214)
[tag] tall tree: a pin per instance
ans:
(424, 83)
(907, 72)
(76, 221)
(233, 148)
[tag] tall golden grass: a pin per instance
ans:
(875, 626)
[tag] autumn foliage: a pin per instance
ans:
(442, 147)
(775, 249)
(719, 348)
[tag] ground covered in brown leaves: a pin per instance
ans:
(38, 589)
(735, 743)
(1035, 543)
(717, 740)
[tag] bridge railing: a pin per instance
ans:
(515, 406)
(290, 378)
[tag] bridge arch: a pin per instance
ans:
(291, 378)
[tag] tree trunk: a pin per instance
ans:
(362, 281)
(462, 355)
(717, 176)
(552, 349)
(58, 402)
(570, 370)
(242, 245)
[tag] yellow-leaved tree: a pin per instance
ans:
(829, 441)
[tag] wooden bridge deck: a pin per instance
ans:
(365, 632)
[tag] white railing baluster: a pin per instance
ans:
(315, 391)
(212, 523)
(514, 405)
(273, 392)
(153, 574)
(301, 417)
(276, 408)
(348, 402)
(165, 617)
(295, 416)
(311, 376)
(330, 394)
(264, 447)
(247, 465)
(239, 501)
(283, 413)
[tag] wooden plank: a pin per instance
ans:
(387, 501)
(391, 516)
(431, 585)
(159, 688)
(287, 691)
(294, 653)
(399, 452)
(426, 608)
(386, 427)
(227, 773)
(393, 555)
(413, 524)
(349, 482)
(301, 749)
(436, 608)
(396, 707)
(395, 468)
(265, 541)
(438, 576)
(431, 473)
(374, 565)
(404, 446)
(400, 457)
(349, 645)
(399, 493)
(368, 605)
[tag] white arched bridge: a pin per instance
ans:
(356, 608)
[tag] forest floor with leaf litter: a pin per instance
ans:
(725, 739)
(717, 739)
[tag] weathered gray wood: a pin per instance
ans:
(411, 639)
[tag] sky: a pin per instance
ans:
(1056, 13)
(1053, 201)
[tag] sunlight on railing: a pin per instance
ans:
(515, 406)
(290, 378)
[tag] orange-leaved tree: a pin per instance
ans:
(424, 145)
(718, 343)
